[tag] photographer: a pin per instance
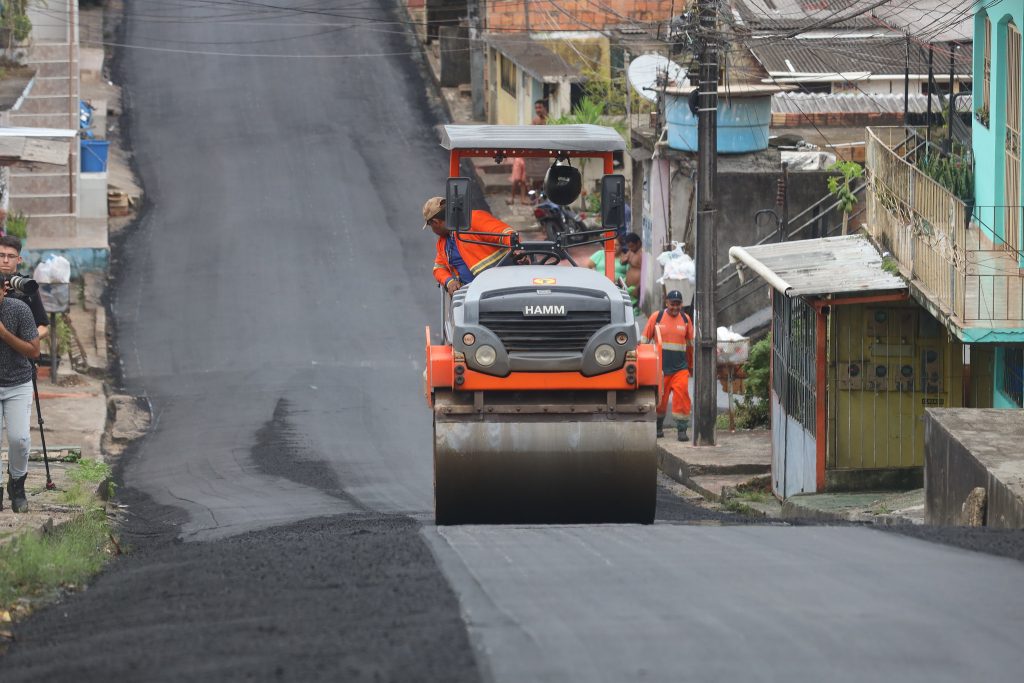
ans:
(10, 259)
(19, 342)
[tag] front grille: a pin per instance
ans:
(562, 334)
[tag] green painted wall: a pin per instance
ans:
(989, 141)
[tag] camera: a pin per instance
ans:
(21, 284)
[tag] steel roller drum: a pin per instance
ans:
(513, 468)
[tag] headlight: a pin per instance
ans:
(486, 355)
(468, 339)
(604, 354)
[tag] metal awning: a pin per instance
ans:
(533, 57)
(830, 265)
(567, 138)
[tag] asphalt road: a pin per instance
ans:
(271, 304)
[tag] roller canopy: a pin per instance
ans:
(568, 138)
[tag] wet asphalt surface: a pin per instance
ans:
(270, 304)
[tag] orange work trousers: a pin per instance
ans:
(677, 384)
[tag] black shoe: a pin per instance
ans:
(16, 491)
(681, 435)
(661, 427)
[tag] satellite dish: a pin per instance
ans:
(646, 72)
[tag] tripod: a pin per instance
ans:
(50, 486)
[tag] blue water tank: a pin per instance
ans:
(94, 155)
(742, 123)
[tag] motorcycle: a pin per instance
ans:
(556, 220)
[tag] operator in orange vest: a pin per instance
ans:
(676, 361)
(458, 261)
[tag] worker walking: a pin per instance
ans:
(676, 360)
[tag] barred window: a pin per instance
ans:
(508, 75)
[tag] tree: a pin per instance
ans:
(841, 186)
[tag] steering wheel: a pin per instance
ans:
(532, 257)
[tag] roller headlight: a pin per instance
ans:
(621, 338)
(604, 354)
(486, 355)
(468, 339)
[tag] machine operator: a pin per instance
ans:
(459, 261)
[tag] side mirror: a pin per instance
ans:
(456, 206)
(613, 202)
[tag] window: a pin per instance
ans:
(508, 75)
(986, 74)
(1012, 381)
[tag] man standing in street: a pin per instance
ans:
(19, 341)
(676, 360)
(10, 259)
(458, 262)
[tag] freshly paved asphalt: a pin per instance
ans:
(271, 305)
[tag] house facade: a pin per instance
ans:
(999, 186)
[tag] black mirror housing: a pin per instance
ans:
(457, 206)
(613, 202)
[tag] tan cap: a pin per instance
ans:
(432, 208)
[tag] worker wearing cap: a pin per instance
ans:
(459, 261)
(676, 360)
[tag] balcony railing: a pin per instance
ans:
(929, 231)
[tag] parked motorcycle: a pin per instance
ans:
(556, 220)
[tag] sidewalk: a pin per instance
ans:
(736, 473)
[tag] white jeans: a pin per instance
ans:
(16, 406)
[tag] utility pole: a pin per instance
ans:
(705, 404)
(906, 87)
(476, 59)
(949, 117)
(931, 89)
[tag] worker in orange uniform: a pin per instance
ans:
(459, 261)
(676, 360)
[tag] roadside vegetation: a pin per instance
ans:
(37, 567)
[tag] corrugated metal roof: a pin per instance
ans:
(886, 56)
(533, 57)
(860, 103)
(792, 14)
(830, 265)
(568, 138)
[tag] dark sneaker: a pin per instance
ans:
(16, 491)
(661, 427)
(681, 435)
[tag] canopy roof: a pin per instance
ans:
(828, 265)
(567, 138)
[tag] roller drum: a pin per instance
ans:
(496, 468)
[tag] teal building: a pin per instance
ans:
(998, 212)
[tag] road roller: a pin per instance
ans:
(544, 400)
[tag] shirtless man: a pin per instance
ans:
(631, 255)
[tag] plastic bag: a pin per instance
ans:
(676, 265)
(53, 269)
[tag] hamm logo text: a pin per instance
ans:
(544, 310)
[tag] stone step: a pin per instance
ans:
(58, 68)
(40, 204)
(52, 227)
(48, 52)
(65, 120)
(54, 85)
(24, 184)
(47, 104)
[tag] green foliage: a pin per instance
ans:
(752, 410)
(93, 471)
(841, 186)
(15, 20)
(33, 565)
(890, 265)
(954, 172)
(982, 115)
(17, 225)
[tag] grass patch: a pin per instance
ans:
(890, 265)
(86, 476)
(37, 565)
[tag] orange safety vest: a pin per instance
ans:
(676, 335)
(477, 257)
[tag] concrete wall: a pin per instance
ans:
(454, 42)
(747, 183)
(967, 448)
(573, 15)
